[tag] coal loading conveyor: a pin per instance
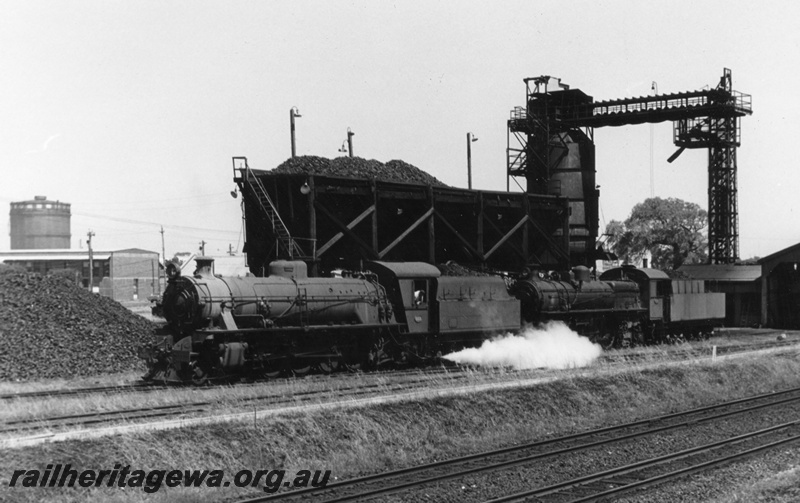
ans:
(551, 145)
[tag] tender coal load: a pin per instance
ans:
(356, 167)
(50, 327)
(451, 268)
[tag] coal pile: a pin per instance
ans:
(451, 268)
(52, 328)
(356, 167)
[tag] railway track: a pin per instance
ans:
(609, 357)
(269, 400)
(120, 388)
(586, 487)
(141, 386)
(697, 352)
(649, 473)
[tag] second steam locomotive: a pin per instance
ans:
(400, 313)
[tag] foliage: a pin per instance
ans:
(671, 230)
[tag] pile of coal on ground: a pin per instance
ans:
(357, 167)
(52, 328)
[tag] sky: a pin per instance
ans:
(132, 110)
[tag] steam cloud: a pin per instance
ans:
(552, 346)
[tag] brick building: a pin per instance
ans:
(123, 275)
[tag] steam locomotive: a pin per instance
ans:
(399, 313)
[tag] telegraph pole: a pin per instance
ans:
(293, 112)
(163, 260)
(470, 138)
(203, 248)
(163, 254)
(91, 261)
(350, 135)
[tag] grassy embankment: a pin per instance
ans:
(357, 441)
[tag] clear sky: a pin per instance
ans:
(132, 110)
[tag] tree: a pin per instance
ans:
(672, 230)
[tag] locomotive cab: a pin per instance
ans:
(410, 287)
(450, 312)
(653, 287)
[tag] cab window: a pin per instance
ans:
(420, 293)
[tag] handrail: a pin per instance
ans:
(275, 219)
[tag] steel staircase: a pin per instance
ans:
(283, 239)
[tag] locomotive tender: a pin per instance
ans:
(397, 313)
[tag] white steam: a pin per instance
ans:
(552, 346)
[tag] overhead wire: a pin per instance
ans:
(144, 222)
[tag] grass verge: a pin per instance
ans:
(356, 441)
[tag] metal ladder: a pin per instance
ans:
(268, 209)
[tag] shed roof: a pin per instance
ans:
(53, 254)
(137, 251)
(409, 269)
(777, 254)
(722, 272)
(61, 254)
(637, 273)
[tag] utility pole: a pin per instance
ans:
(470, 138)
(163, 260)
(91, 260)
(163, 254)
(203, 248)
(293, 112)
(350, 135)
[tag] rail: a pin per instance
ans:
(370, 486)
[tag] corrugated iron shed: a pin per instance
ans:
(722, 272)
(787, 254)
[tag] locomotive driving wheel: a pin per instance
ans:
(625, 335)
(300, 368)
(330, 364)
(606, 335)
(272, 372)
(353, 366)
(605, 339)
(198, 375)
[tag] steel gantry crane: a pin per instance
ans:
(551, 145)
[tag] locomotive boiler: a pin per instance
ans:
(610, 313)
(283, 298)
